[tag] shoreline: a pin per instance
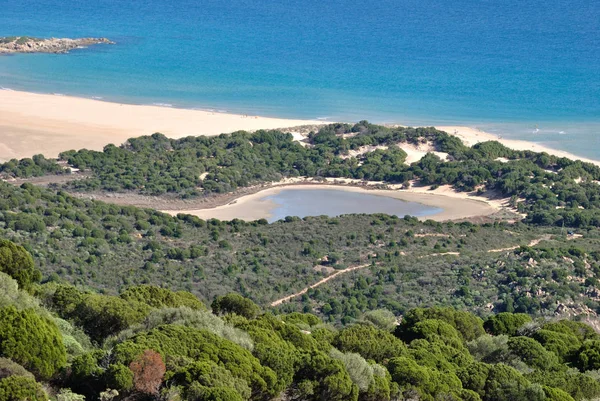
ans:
(470, 136)
(47, 124)
(253, 206)
(33, 123)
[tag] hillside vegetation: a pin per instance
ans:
(113, 302)
(59, 342)
(550, 190)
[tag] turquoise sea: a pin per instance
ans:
(506, 66)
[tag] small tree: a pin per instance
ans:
(18, 263)
(148, 372)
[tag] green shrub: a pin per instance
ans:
(467, 324)
(157, 297)
(506, 323)
(118, 377)
(234, 303)
(31, 340)
(18, 263)
(19, 388)
(370, 342)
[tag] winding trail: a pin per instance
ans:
(363, 266)
(321, 282)
(531, 243)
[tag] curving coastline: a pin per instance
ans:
(28, 44)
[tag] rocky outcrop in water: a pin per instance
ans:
(27, 44)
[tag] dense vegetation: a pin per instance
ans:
(117, 302)
(60, 342)
(109, 247)
(550, 190)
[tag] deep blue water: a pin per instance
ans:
(331, 202)
(505, 66)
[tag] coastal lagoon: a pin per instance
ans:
(332, 202)
(321, 199)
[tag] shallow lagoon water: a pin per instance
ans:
(331, 202)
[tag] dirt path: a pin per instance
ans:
(318, 283)
(531, 243)
(340, 272)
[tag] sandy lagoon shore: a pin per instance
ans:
(454, 205)
(33, 123)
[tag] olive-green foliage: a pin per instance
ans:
(274, 352)
(439, 355)
(381, 387)
(157, 297)
(10, 295)
(562, 344)
(381, 318)
(31, 340)
(429, 382)
(588, 356)
(118, 377)
(198, 392)
(303, 319)
(235, 303)
(11, 368)
(19, 388)
(184, 316)
(506, 323)
(474, 376)
(556, 394)
(100, 316)
(201, 345)
(578, 329)
(468, 325)
(370, 342)
(490, 349)
(433, 330)
(532, 353)
(75, 340)
(505, 383)
(36, 166)
(18, 263)
(359, 370)
(208, 374)
(565, 339)
(578, 385)
(321, 377)
(288, 332)
(66, 394)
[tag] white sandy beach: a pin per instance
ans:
(33, 123)
(471, 136)
(49, 124)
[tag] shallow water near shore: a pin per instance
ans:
(526, 70)
(331, 202)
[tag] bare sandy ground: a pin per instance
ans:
(454, 205)
(49, 124)
(471, 136)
